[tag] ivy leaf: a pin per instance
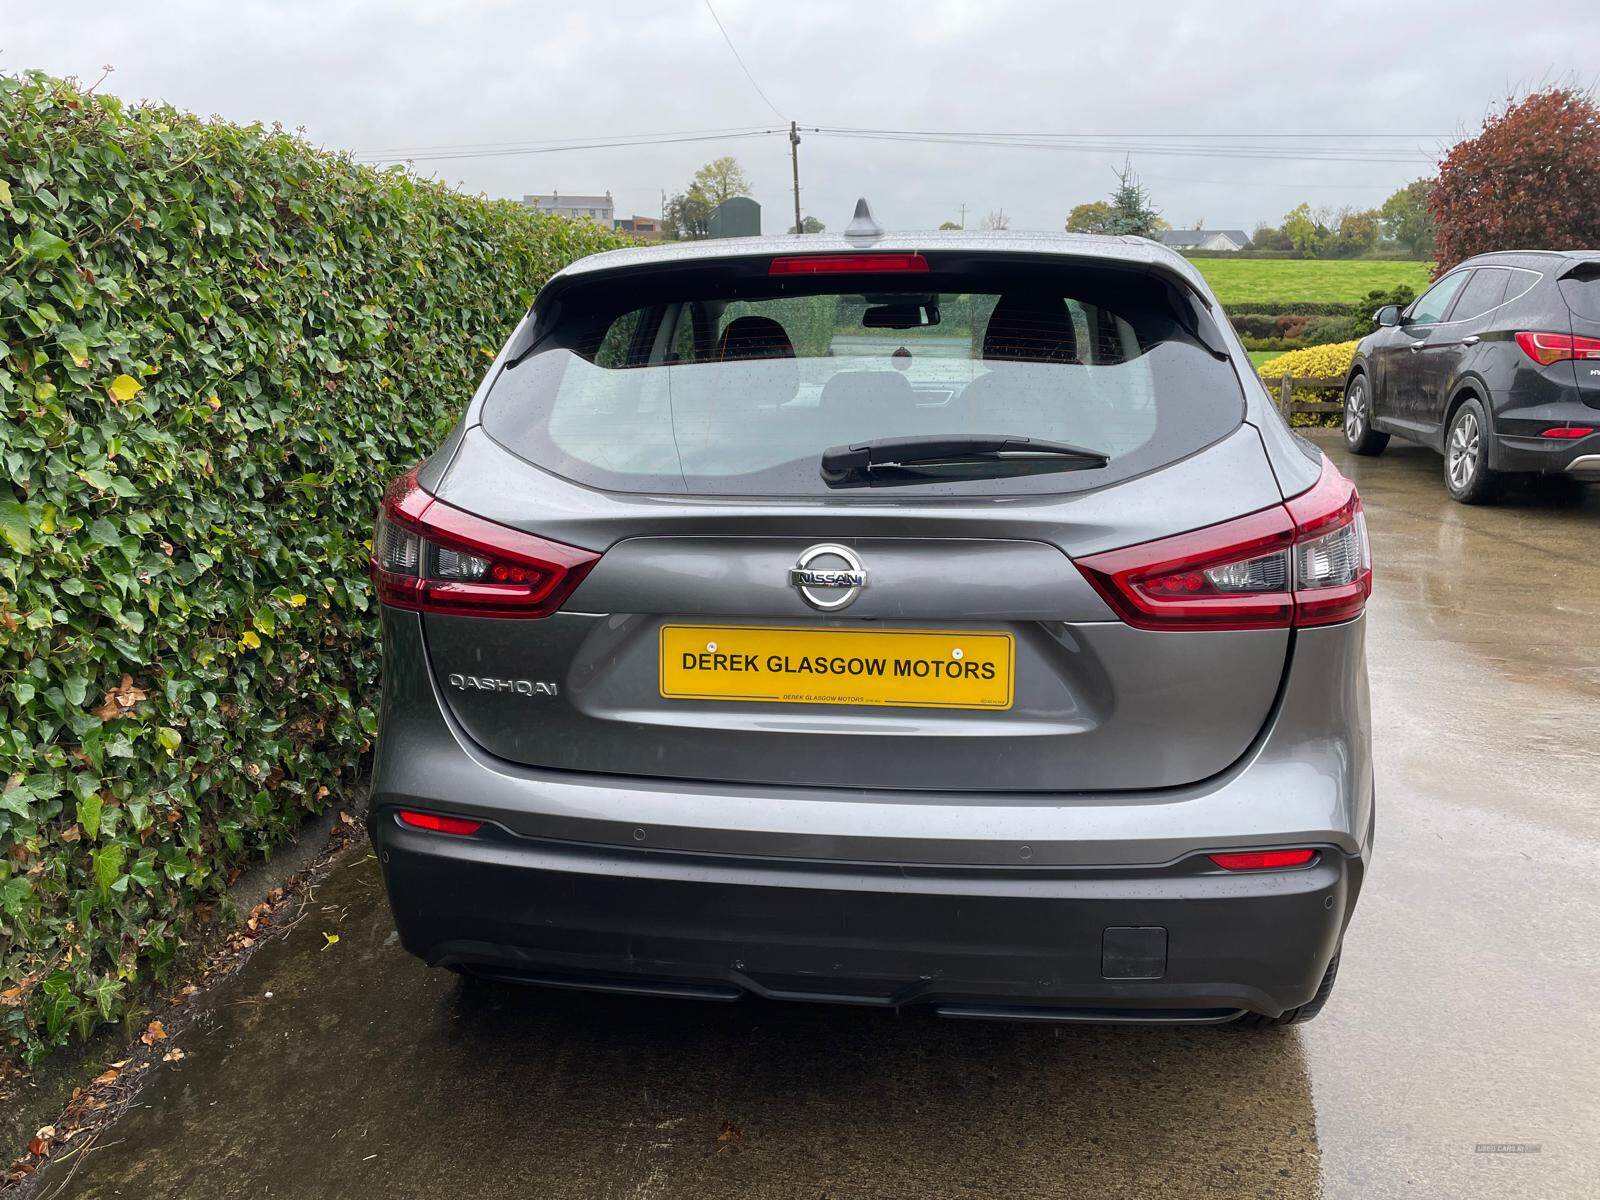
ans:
(169, 738)
(104, 991)
(144, 874)
(107, 866)
(89, 810)
(104, 533)
(46, 246)
(124, 388)
(77, 348)
(15, 525)
(18, 800)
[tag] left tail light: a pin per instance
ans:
(428, 556)
(1304, 562)
(1546, 349)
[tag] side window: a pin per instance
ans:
(1485, 290)
(1431, 307)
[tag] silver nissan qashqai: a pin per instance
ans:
(938, 619)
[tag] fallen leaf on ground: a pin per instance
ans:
(174, 1055)
(333, 939)
(154, 1032)
(107, 1076)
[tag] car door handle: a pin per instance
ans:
(1471, 339)
(1415, 346)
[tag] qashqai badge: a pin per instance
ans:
(828, 577)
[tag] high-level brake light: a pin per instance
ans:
(846, 264)
(428, 556)
(1304, 562)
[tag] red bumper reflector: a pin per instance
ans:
(1568, 431)
(438, 824)
(845, 264)
(1262, 860)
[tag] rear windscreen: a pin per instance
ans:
(729, 382)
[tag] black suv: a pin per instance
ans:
(1496, 366)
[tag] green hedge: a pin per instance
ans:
(1290, 308)
(216, 344)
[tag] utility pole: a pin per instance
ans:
(963, 216)
(794, 162)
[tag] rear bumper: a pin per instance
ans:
(1585, 467)
(1176, 942)
(882, 897)
(1550, 456)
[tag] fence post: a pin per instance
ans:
(1286, 396)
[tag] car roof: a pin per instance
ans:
(1136, 251)
(1527, 258)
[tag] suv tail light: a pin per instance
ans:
(1548, 348)
(428, 556)
(1305, 562)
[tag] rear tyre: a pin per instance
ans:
(1358, 432)
(1302, 1014)
(1467, 476)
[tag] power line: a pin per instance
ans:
(1124, 136)
(1061, 143)
(449, 155)
(518, 143)
(740, 61)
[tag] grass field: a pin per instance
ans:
(1321, 281)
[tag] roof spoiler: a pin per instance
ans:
(1584, 267)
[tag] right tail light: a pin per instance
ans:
(1305, 562)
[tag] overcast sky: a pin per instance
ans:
(368, 75)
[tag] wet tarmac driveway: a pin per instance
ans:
(1459, 1056)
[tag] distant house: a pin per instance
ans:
(1204, 239)
(598, 209)
(648, 228)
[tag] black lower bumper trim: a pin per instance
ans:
(1017, 944)
(1089, 1016)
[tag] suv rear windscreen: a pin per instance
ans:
(722, 380)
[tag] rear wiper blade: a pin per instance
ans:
(936, 456)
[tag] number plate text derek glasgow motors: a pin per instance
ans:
(911, 668)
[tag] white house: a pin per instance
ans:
(598, 209)
(1205, 239)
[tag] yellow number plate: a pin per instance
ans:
(916, 668)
